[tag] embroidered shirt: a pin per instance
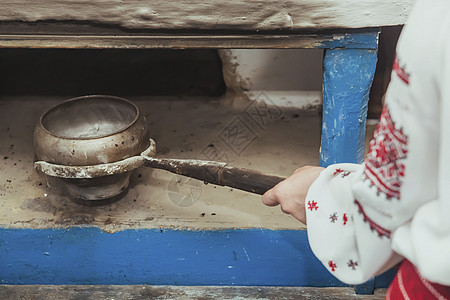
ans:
(364, 219)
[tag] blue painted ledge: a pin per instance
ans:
(160, 257)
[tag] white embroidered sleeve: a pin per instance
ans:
(399, 199)
(340, 233)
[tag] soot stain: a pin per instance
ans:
(39, 204)
(66, 212)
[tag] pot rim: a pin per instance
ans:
(84, 98)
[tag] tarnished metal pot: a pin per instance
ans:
(90, 130)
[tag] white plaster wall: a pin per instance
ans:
(277, 69)
(289, 77)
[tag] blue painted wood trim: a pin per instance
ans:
(160, 257)
(347, 78)
(363, 40)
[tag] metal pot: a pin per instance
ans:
(91, 131)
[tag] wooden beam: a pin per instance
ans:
(179, 41)
(129, 292)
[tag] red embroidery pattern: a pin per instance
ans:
(341, 172)
(387, 149)
(345, 219)
(373, 226)
(400, 71)
(338, 171)
(312, 205)
(332, 265)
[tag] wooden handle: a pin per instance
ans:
(248, 180)
(217, 173)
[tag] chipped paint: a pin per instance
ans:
(348, 75)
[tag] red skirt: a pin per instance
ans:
(409, 284)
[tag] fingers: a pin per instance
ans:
(270, 198)
(293, 205)
(289, 205)
(291, 192)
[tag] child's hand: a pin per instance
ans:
(291, 193)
